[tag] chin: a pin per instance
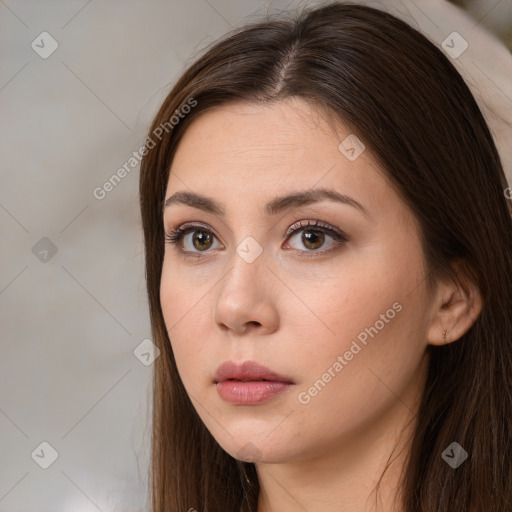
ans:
(251, 450)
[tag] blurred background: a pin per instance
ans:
(495, 16)
(79, 84)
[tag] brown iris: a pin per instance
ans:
(311, 237)
(204, 238)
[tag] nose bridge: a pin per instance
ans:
(244, 296)
(248, 266)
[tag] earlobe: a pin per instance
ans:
(455, 309)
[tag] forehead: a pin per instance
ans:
(286, 139)
(248, 123)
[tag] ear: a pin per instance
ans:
(455, 308)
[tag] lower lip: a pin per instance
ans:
(250, 393)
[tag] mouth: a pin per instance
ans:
(249, 383)
(249, 371)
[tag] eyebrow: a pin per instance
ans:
(273, 207)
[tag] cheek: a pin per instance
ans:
(342, 303)
(347, 386)
(186, 314)
(371, 317)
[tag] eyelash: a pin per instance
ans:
(176, 236)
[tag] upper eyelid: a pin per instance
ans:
(312, 225)
(301, 225)
(297, 225)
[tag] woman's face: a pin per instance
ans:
(338, 311)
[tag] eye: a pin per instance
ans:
(314, 234)
(201, 239)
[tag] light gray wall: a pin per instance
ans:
(72, 293)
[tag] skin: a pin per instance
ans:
(297, 314)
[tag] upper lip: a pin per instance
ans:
(249, 371)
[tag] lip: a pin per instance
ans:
(248, 371)
(249, 383)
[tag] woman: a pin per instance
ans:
(365, 364)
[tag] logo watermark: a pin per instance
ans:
(304, 397)
(149, 143)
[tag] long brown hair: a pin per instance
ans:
(404, 99)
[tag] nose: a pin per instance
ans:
(246, 299)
